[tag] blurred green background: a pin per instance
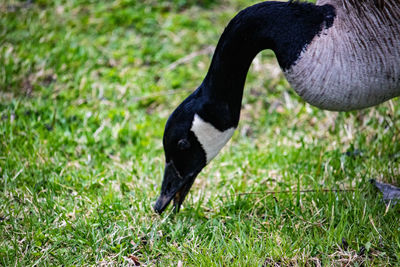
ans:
(85, 90)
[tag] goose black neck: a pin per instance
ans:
(286, 28)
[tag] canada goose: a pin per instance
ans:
(336, 54)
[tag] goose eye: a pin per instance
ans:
(183, 144)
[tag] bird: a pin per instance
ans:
(338, 55)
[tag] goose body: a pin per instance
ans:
(351, 65)
(337, 55)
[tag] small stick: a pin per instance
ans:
(159, 94)
(291, 191)
(188, 58)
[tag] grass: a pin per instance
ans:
(86, 88)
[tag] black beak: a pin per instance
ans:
(174, 186)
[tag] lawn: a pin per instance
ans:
(85, 90)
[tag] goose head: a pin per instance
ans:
(194, 134)
(184, 156)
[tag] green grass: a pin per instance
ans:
(86, 88)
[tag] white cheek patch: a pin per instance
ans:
(210, 138)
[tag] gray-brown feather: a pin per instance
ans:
(355, 63)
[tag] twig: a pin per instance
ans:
(173, 65)
(18, 173)
(291, 191)
(186, 59)
(164, 93)
(319, 224)
(373, 224)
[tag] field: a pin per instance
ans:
(85, 90)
